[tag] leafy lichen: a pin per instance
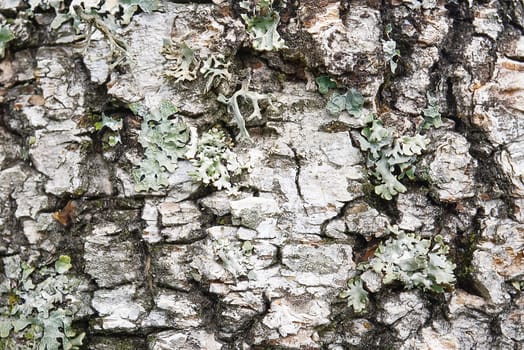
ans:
(237, 257)
(182, 62)
(215, 69)
(391, 53)
(164, 140)
(262, 26)
(352, 102)
(113, 126)
(234, 107)
(214, 160)
(38, 315)
(432, 117)
(325, 83)
(409, 259)
(390, 159)
(357, 297)
(414, 261)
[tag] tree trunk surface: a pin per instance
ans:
(289, 174)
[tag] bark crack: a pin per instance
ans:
(298, 163)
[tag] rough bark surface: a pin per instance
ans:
(306, 206)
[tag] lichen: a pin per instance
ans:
(113, 128)
(357, 297)
(324, 83)
(352, 102)
(164, 141)
(414, 261)
(234, 107)
(182, 62)
(262, 26)
(432, 117)
(39, 306)
(391, 53)
(409, 259)
(390, 159)
(215, 69)
(214, 160)
(237, 257)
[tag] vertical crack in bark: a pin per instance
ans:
(147, 267)
(489, 174)
(339, 215)
(296, 158)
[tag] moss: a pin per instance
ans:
(118, 343)
(334, 127)
(79, 192)
(88, 120)
(466, 246)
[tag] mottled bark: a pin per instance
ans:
(170, 269)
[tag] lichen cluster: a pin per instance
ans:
(406, 258)
(166, 138)
(262, 25)
(389, 158)
(237, 257)
(233, 106)
(214, 161)
(164, 141)
(39, 306)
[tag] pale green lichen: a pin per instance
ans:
(352, 102)
(164, 141)
(389, 159)
(237, 257)
(234, 107)
(391, 53)
(214, 160)
(414, 261)
(166, 138)
(38, 306)
(182, 62)
(432, 116)
(113, 126)
(324, 83)
(357, 297)
(215, 69)
(409, 259)
(262, 25)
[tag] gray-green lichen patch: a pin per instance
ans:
(164, 141)
(214, 161)
(40, 305)
(389, 158)
(262, 27)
